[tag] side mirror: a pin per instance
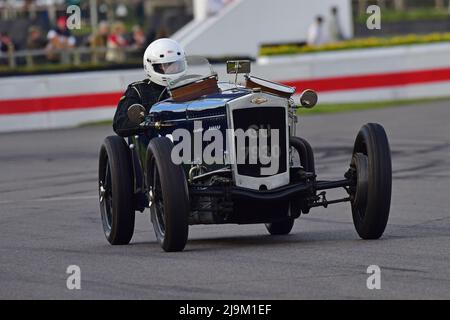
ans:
(308, 98)
(136, 113)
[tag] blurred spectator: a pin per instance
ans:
(121, 11)
(100, 38)
(62, 33)
(6, 44)
(59, 39)
(317, 34)
(103, 10)
(336, 33)
(138, 39)
(116, 43)
(35, 39)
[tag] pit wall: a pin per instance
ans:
(65, 100)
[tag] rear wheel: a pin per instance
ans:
(371, 197)
(168, 194)
(115, 191)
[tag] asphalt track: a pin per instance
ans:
(49, 219)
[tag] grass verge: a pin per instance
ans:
(323, 108)
(96, 123)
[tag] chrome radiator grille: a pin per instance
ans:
(257, 118)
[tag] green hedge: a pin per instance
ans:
(411, 14)
(372, 42)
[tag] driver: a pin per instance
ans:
(164, 62)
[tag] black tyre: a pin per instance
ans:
(169, 196)
(280, 227)
(115, 191)
(371, 197)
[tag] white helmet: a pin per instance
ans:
(164, 61)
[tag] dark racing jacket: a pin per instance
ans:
(143, 92)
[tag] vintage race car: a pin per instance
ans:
(222, 152)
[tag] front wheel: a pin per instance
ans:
(372, 172)
(168, 194)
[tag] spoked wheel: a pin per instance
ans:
(105, 198)
(157, 205)
(168, 193)
(115, 191)
(371, 168)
